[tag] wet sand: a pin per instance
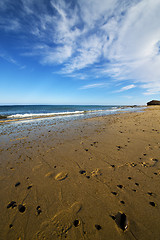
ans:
(91, 179)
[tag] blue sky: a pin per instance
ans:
(79, 52)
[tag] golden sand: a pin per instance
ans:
(95, 179)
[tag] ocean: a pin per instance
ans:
(18, 113)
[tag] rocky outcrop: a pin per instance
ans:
(2, 117)
(153, 102)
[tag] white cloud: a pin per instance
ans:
(135, 53)
(111, 38)
(58, 55)
(95, 85)
(8, 25)
(152, 88)
(11, 60)
(8, 58)
(89, 52)
(126, 88)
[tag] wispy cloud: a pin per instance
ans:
(128, 87)
(11, 60)
(95, 85)
(117, 39)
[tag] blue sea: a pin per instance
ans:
(18, 113)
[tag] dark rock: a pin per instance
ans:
(153, 102)
(2, 117)
(121, 220)
(21, 208)
(76, 223)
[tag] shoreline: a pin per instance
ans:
(77, 114)
(73, 180)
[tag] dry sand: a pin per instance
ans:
(75, 182)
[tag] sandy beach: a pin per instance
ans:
(92, 179)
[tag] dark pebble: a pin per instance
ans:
(121, 220)
(114, 193)
(76, 223)
(98, 227)
(21, 208)
(17, 184)
(152, 204)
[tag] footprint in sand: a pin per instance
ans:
(61, 176)
(155, 161)
(50, 174)
(12, 204)
(60, 224)
(36, 167)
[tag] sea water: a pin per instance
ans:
(33, 112)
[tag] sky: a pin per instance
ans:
(79, 52)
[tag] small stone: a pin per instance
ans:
(17, 184)
(21, 208)
(152, 204)
(76, 223)
(98, 227)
